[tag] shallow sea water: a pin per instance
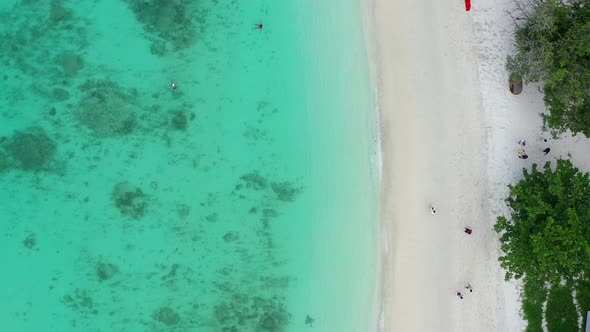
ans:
(243, 200)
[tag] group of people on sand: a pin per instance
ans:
(468, 287)
(467, 231)
(522, 153)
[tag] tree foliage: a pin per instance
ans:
(561, 314)
(547, 235)
(533, 297)
(553, 46)
(583, 295)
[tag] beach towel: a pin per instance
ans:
(467, 5)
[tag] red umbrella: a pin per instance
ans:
(467, 5)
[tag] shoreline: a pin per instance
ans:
(367, 12)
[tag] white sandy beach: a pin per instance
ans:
(449, 133)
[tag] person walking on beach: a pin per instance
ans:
(459, 295)
(432, 210)
(546, 150)
(469, 288)
(468, 230)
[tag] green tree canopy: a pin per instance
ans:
(547, 236)
(553, 46)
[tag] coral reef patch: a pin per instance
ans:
(180, 120)
(105, 271)
(60, 94)
(230, 236)
(168, 21)
(30, 241)
(70, 63)
(166, 315)
(107, 109)
(58, 14)
(241, 312)
(80, 301)
(4, 162)
(285, 191)
(28, 150)
(130, 200)
(36, 30)
(253, 181)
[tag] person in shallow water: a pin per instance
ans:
(173, 85)
(309, 320)
(259, 26)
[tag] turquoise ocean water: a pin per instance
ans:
(243, 200)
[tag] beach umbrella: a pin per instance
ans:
(467, 5)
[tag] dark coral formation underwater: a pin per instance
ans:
(130, 200)
(28, 150)
(166, 316)
(28, 41)
(180, 120)
(170, 23)
(241, 312)
(105, 271)
(107, 109)
(70, 63)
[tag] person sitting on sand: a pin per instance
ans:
(459, 295)
(469, 288)
(522, 154)
(468, 230)
(432, 210)
(522, 142)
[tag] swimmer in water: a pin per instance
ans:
(173, 85)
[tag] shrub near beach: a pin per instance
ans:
(546, 241)
(553, 47)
